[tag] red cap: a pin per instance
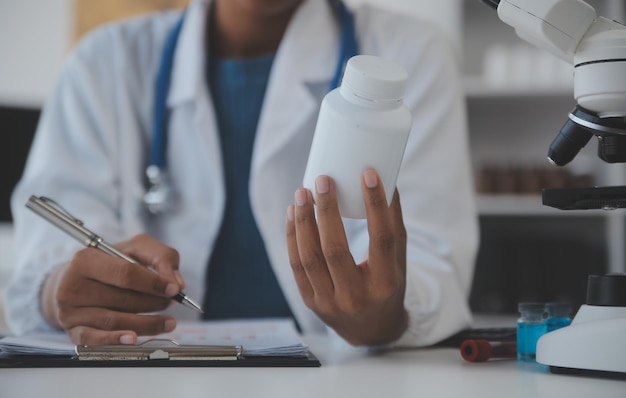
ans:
(476, 350)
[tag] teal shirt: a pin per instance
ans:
(240, 279)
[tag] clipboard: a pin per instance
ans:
(167, 353)
(234, 343)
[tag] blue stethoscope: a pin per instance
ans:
(158, 196)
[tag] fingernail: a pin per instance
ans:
(171, 289)
(371, 179)
(322, 185)
(290, 215)
(127, 339)
(301, 197)
(169, 326)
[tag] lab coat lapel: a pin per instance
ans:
(189, 56)
(193, 116)
(189, 90)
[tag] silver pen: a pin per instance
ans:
(57, 215)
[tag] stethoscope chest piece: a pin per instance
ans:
(158, 197)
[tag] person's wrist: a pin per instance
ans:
(47, 300)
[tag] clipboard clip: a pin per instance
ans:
(158, 349)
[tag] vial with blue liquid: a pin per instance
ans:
(530, 327)
(558, 315)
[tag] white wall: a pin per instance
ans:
(35, 36)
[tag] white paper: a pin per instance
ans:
(270, 337)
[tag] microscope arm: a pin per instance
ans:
(557, 26)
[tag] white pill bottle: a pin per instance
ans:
(362, 124)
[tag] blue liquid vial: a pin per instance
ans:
(558, 315)
(530, 327)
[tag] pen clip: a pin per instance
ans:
(52, 203)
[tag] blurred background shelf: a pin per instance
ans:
(479, 87)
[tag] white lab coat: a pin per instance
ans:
(90, 153)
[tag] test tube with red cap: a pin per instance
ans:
(481, 350)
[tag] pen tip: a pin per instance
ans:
(192, 304)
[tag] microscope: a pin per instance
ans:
(595, 342)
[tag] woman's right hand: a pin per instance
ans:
(101, 299)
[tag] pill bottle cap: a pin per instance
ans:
(374, 78)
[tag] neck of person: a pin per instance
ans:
(236, 32)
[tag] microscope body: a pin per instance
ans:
(596, 48)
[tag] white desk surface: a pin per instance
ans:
(345, 373)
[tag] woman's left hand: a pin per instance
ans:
(363, 303)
